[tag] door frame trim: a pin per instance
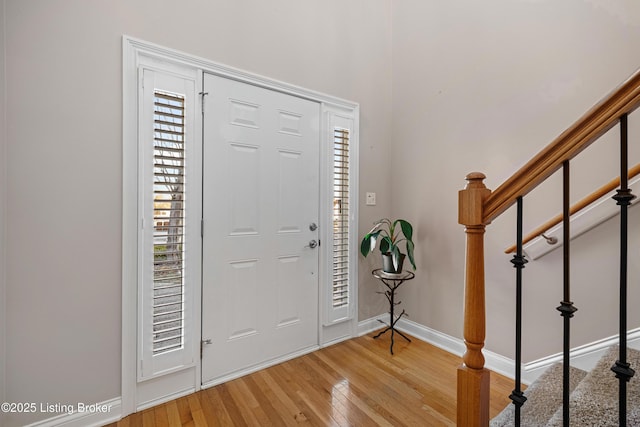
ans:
(134, 52)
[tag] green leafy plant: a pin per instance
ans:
(390, 234)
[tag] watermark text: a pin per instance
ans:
(54, 408)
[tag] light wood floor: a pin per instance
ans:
(354, 383)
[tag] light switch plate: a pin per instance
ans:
(371, 199)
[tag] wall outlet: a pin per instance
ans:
(371, 199)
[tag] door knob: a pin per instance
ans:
(312, 244)
(313, 226)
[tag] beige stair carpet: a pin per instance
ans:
(594, 402)
(544, 397)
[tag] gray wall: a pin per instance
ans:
(484, 86)
(3, 182)
(64, 149)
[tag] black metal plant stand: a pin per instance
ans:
(392, 282)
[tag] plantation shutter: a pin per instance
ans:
(341, 252)
(168, 222)
(169, 226)
(340, 287)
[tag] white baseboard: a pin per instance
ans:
(371, 324)
(493, 361)
(96, 415)
(336, 341)
(436, 338)
(584, 357)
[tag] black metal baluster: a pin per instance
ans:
(566, 307)
(623, 198)
(518, 262)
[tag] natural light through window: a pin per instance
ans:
(340, 218)
(168, 222)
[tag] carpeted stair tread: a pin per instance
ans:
(544, 397)
(595, 401)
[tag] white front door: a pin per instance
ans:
(260, 199)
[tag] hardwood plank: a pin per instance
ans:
(148, 418)
(343, 411)
(293, 411)
(316, 393)
(264, 399)
(197, 414)
(427, 370)
(161, 418)
(353, 383)
(173, 414)
(136, 419)
(499, 397)
(288, 381)
(185, 412)
(396, 397)
(212, 401)
(207, 408)
(125, 422)
(358, 388)
(230, 406)
(249, 407)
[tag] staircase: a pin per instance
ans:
(593, 401)
(478, 206)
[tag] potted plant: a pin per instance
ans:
(390, 234)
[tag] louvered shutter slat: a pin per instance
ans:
(168, 220)
(340, 286)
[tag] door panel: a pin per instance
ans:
(244, 202)
(260, 193)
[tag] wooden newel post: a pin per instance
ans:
(473, 378)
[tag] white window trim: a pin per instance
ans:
(135, 62)
(137, 52)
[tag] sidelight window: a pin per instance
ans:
(341, 252)
(340, 286)
(169, 223)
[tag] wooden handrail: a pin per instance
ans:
(583, 203)
(602, 117)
